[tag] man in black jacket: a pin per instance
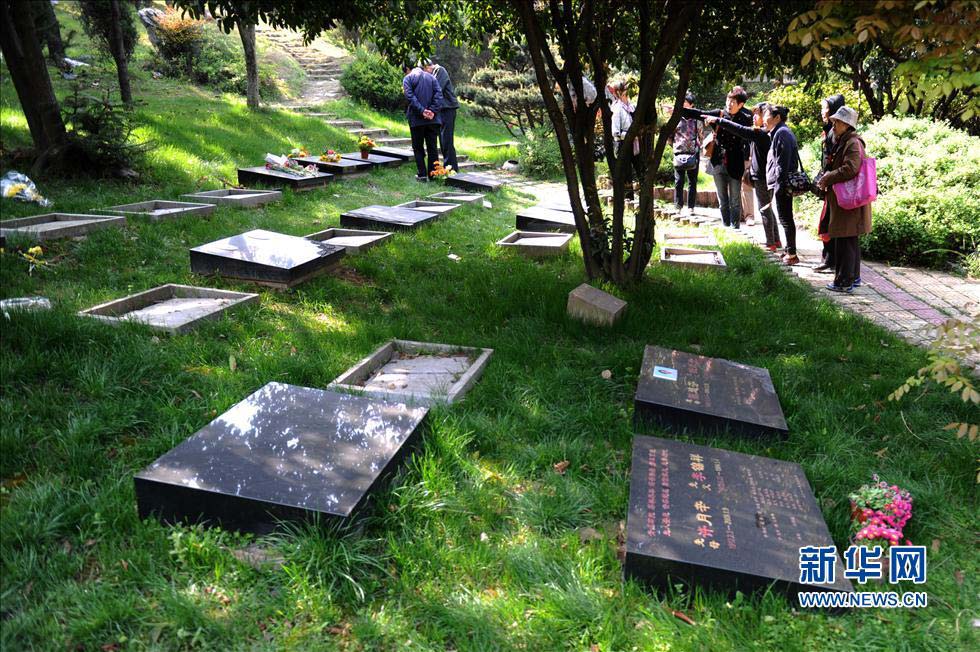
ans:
(450, 104)
(727, 164)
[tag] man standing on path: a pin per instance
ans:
(424, 101)
(448, 115)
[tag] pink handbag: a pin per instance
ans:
(862, 189)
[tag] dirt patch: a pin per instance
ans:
(353, 276)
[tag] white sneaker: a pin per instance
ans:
(685, 211)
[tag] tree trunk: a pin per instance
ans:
(25, 60)
(118, 48)
(247, 32)
(47, 25)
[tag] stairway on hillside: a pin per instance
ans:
(321, 62)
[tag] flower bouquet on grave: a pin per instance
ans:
(879, 512)
(284, 164)
(365, 144)
(330, 156)
(440, 173)
(298, 152)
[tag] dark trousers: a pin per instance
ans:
(828, 256)
(424, 139)
(446, 143)
(634, 164)
(783, 203)
(763, 200)
(692, 186)
(847, 258)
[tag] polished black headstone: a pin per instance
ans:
(262, 176)
(285, 453)
(683, 391)
(711, 517)
(394, 152)
(474, 181)
(374, 159)
(265, 257)
(345, 166)
(386, 218)
(538, 218)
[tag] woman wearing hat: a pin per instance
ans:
(845, 225)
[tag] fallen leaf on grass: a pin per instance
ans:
(959, 577)
(881, 453)
(935, 545)
(680, 615)
(561, 467)
(341, 630)
(232, 362)
(587, 534)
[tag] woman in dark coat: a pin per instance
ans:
(784, 157)
(845, 225)
(828, 107)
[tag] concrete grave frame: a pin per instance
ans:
(116, 311)
(537, 218)
(437, 207)
(457, 197)
(157, 210)
(52, 226)
(352, 380)
(536, 243)
(474, 181)
(353, 240)
(237, 197)
(693, 258)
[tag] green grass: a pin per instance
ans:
(474, 546)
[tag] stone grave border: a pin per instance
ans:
(20, 227)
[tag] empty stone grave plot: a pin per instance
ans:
(474, 181)
(265, 257)
(285, 453)
(714, 518)
(158, 209)
(386, 217)
(437, 207)
(416, 372)
(376, 160)
(52, 226)
(689, 239)
(457, 197)
(687, 392)
(536, 244)
(170, 308)
(354, 241)
(536, 218)
(345, 167)
(400, 153)
(593, 306)
(693, 258)
(237, 197)
(262, 176)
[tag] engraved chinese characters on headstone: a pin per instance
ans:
(712, 517)
(680, 391)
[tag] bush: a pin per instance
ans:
(371, 79)
(540, 156)
(803, 102)
(99, 133)
(180, 40)
(928, 176)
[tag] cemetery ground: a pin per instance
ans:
(503, 530)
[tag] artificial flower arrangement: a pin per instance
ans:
(298, 152)
(440, 173)
(284, 164)
(330, 156)
(879, 512)
(365, 144)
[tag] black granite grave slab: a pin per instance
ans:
(401, 153)
(343, 167)
(711, 517)
(265, 257)
(474, 181)
(376, 160)
(285, 453)
(386, 218)
(536, 218)
(684, 391)
(262, 176)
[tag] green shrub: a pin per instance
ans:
(371, 79)
(180, 39)
(803, 102)
(928, 175)
(540, 156)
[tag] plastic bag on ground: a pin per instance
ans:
(15, 185)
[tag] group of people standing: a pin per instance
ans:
(757, 147)
(431, 113)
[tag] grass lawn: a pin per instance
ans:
(475, 545)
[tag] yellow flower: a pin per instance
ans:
(15, 189)
(35, 251)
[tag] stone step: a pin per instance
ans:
(460, 158)
(381, 133)
(322, 77)
(394, 142)
(346, 124)
(507, 143)
(470, 165)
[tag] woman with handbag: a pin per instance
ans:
(828, 107)
(845, 224)
(784, 159)
(686, 145)
(622, 119)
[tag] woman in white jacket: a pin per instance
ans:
(622, 118)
